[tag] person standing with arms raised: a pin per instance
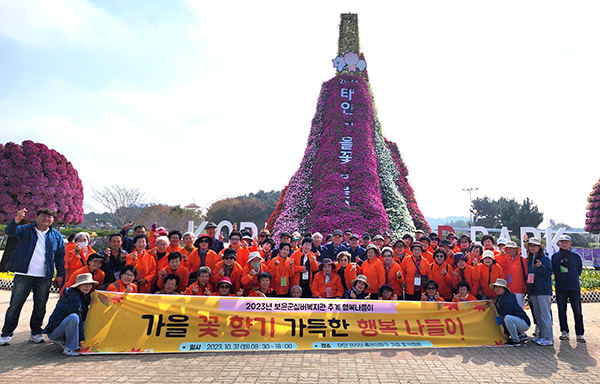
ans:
(40, 250)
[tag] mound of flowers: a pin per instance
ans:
(33, 176)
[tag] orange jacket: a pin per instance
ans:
(171, 248)
(444, 282)
(185, 253)
(217, 294)
(392, 279)
(488, 276)
(118, 286)
(297, 267)
(281, 273)
(374, 270)
(182, 272)
(146, 267)
(320, 288)
(515, 271)
(349, 274)
(194, 263)
(74, 261)
(409, 270)
(250, 282)
(98, 276)
(163, 262)
(236, 275)
(201, 290)
(428, 256)
(471, 276)
(468, 298)
(241, 255)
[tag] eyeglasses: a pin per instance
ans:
(234, 239)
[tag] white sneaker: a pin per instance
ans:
(70, 352)
(564, 335)
(60, 343)
(581, 339)
(5, 340)
(39, 338)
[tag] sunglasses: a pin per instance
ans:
(228, 258)
(204, 241)
(262, 235)
(234, 239)
(439, 256)
(430, 288)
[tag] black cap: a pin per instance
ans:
(211, 225)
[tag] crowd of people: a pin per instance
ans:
(417, 267)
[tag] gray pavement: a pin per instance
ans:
(565, 362)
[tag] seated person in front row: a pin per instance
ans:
(386, 292)
(225, 288)
(125, 283)
(171, 282)
(431, 292)
(264, 289)
(464, 292)
(174, 267)
(358, 290)
(202, 285)
(296, 291)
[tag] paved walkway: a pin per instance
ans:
(565, 362)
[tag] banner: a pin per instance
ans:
(137, 323)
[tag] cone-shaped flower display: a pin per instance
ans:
(592, 221)
(350, 176)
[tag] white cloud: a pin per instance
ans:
(55, 22)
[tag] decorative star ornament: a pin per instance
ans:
(339, 63)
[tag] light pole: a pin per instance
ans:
(471, 202)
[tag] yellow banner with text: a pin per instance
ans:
(138, 323)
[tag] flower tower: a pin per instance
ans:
(592, 221)
(351, 176)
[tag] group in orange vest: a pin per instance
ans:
(407, 269)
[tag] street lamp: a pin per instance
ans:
(471, 202)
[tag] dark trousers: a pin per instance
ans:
(561, 300)
(22, 286)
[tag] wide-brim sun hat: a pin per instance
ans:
(534, 241)
(84, 278)
(211, 241)
(362, 278)
(499, 283)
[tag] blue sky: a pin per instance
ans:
(499, 96)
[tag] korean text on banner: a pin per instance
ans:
(137, 323)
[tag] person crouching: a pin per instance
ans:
(66, 324)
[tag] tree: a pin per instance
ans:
(124, 205)
(33, 176)
(506, 213)
(578, 240)
(254, 207)
(171, 217)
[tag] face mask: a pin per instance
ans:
(83, 244)
(255, 265)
